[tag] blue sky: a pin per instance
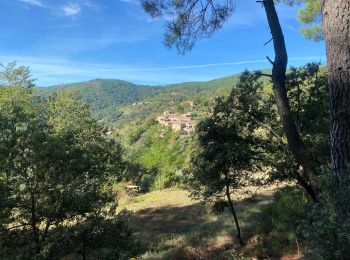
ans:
(75, 40)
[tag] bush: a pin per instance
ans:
(291, 221)
(96, 238)
(168, 179)
(146, 182)
(277, 228)
(327, 235)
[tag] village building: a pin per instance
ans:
(178, 122)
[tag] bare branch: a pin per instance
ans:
(266, 43)
(269, 59)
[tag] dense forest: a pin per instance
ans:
(104, 169)
(108, 99)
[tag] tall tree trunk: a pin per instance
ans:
(336, 27)
(233, 212)
(301, 154)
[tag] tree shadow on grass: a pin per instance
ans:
(195, 226)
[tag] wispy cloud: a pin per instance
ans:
(51, 71)
(33, 2)
(247, 14)
(61, 26)
(71, 9)
(78, 45)
(137, 2)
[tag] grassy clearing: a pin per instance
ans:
(172, 226)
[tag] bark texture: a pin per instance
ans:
(336, 27)
(301, 154)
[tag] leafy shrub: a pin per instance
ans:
(327, 235)
(168, 179)
(97, 238)
(146, 182)
(277, 228)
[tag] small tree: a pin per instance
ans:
(229, 146)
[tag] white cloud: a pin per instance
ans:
(33, 2)
(61, 26)
(71, 9)
(51, 70)
(137, 2)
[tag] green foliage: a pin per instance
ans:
(134, 136)
(308, 98)
(106, 96)
(277, 229)
(312, 32)
(166, 155)
(55, 166)
(13, 75)
(146, 182)
(155, 154)
(191, 20)
(325, 232)
(244, 135)
(309, 16)
(229, 148)
(96, 238)
(111, 100)
(219, 207)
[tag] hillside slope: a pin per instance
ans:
(104, 96)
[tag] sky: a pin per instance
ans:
(64, 41)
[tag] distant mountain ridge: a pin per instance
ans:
(108, 97)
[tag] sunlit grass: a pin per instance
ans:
(171, 224)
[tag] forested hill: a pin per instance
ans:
(108, 98)
(110, 91)
(105, 95)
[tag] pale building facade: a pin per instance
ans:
(178, 122)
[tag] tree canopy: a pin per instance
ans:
(310, 18)
(190, 20)
(56, 170)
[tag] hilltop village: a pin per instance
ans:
(182, 123)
